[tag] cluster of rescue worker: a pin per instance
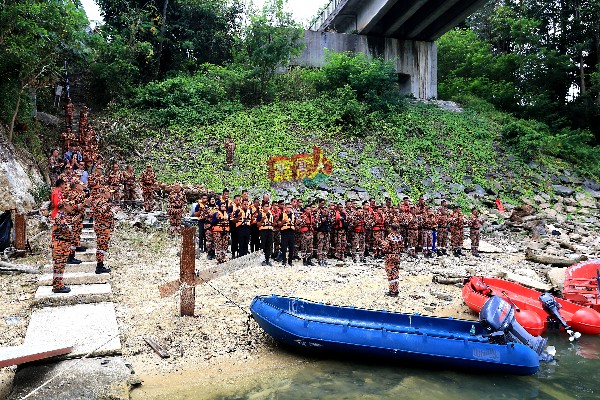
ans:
(238, 225)
(82, 188)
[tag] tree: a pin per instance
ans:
(543, 50)
(270, 41)
(182, 34)
(35, 37)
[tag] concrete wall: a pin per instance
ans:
(416, 62)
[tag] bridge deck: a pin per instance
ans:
(424, 20)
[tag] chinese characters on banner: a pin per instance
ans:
(304, 167)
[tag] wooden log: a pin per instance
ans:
(448, 281)
(9, 267)
(157, 347)
(559, 262)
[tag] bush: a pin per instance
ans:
(527, 138)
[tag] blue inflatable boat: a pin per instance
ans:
(441, 342)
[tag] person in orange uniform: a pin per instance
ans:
(220, 223)
(103, 226)
(62, 236)
(243, 219)
(307, 228)
(378, 232)
(175, 208)
(287, 223)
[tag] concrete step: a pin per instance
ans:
(88, 236)
(86, 327)
(88, 255)
(88, 231)
(86, 266)
(79, 294)
(76, 278)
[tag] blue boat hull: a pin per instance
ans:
(440, 342)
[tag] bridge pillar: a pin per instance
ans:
(415, 61)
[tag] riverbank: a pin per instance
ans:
(221, 344)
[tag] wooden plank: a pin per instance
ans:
(157, 347)
(28, 353)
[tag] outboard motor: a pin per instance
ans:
(498, 318)
(552, 306)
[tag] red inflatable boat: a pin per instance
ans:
(581, 284)
(531, 313)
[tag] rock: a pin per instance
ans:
(427, 182)
(520, 212)
(595, 186)
(525, 281)
(456, 188)
(594, 193)
(377, 172)
(575, 237)
(563, 190)
(479, 191)
(571, 209)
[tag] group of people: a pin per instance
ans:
(80, 187)
(236, 225)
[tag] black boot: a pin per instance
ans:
(304, 262)
(309, 263)
(211, 255)
(72, 259)
(101, 269)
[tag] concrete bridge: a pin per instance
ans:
(403, 31)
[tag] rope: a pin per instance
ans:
(222, 294)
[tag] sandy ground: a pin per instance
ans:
(221, 343)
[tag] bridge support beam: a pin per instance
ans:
(415, 61)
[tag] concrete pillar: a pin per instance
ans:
(417, 59)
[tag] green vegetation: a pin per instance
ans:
(346, 108)
(170, 80)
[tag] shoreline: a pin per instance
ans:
(218, 342)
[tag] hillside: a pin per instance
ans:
(419, 149)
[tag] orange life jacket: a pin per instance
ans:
(288, 223)
(266, 221)
(379, 222)
(245, 218)
(222, 223)
(308, 223)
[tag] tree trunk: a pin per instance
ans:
(163, 26)
(14, 117)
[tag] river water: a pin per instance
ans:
(574, 375)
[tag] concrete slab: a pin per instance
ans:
(88, 255)
(88, 327)
(88, 231)
(79, 294)
(76, 278)
(28, 353)
(86, 266)
(90, 379)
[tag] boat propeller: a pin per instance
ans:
(552, 306)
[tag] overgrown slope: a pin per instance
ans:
(417, 149)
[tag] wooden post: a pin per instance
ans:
(20, 241)
(187, 272)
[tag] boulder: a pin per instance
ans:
(563, 190)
